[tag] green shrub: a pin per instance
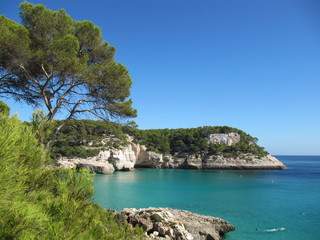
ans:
(194, 140)
(42, 203)
(73, 151)
(4, 109)
(78, 133)
(156, 218)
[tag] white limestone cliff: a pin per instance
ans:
(224, 138)
(107, 161)
(135, 155)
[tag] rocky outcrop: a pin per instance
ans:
(122, 159)
(207, 161)
(245, 161)
(136, 156)
(166, 223)
(97, 167)
(106, 162)
(96, 164)
(146, 158)
(224, 138)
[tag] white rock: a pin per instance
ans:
(123, 159)
(170, 232)
(224, 138)
(136, 155)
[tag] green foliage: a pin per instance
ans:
(20, 155)
(73, 151)
(131, 124)
(59, 62)
(42, 128)
(4, 109)
(43, 203)
(76, 136)
(82, 138)
(156, 218)
(194, 140)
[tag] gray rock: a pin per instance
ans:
(148, 159)
(244, 161)
(207, 161)
(135, 155)
(177, 224)
(123, 159)
(224, 138)
(107, 161)
(97, 167)
(92, 164)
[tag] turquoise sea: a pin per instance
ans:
(248, 199)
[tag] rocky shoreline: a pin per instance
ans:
(173, 224)
(136, 156)
(133, 155)
(166, 223)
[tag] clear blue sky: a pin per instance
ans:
(253, 65)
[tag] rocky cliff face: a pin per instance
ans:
(107, 161)
(136, 155)
(224, 138)
(207, 161)
(166, 223)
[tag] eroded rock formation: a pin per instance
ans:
(207, 161)
(224, 138)
(166, 223)
(136, 155)
(107, 161)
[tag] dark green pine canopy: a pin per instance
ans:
(56, 61)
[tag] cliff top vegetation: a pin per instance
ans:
(76, 135)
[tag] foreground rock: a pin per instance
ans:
(166, 223)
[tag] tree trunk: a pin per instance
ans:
(56, 131)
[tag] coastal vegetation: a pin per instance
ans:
(195, 140)
(65, 65)
(77, 135)
(37, 202)
(54, 61)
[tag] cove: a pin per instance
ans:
(251, 199)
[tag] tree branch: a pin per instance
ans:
(45, 72)
(73, 110)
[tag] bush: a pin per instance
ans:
(78, 133)
(195, 140)
(156, 218)
(41, 203)
(73, 151)
(4, 109)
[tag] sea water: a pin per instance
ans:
(254, 201)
